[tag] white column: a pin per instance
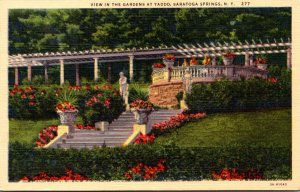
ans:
(247, 59)
(62, 72)
(214, 60)
(251, 61)
(289, 58)
(46, 73)
(109, 72)
(95, 69)
(131, 57)
(16, 76)
(77, 74)
(29, 75)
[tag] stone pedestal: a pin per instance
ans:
(183, 105)
(101, 125)
(228, 60)
(142, 128)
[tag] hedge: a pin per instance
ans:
(181, 163)
(30, 102)
(227, 96)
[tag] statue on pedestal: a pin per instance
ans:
(187, 81)
(123, 86)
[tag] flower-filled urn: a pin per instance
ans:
(228, 58)
(261, 62)
(66, 109)
(169, 60)
(141, 110)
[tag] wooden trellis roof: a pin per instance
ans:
(180, 51)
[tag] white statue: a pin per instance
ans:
(123, 86)
(187, 81)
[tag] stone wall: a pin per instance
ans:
(164, 94)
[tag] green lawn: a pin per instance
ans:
(263, 128)
(26, 131)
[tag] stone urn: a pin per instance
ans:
(141, 115)
(68, 118)
(228, 60)
(262, 66)
(169, 63)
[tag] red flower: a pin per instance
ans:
(169, 57)
(232, 174)
(23, 96)
(158, 65)
(31, 103)
(43, 176)
(229, 54)
(273, 79)
(107, 103)
(31, 96)
(144, 171)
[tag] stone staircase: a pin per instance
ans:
(117, 133)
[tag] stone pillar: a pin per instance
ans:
(62, 72)
(16, 76)
(131, 57)
(29, 75)
(214, 60)
(46, 73)
(96, 69)
(289, 58)
(246, 59)
(109, 72)
(77, 74)
(251, 61)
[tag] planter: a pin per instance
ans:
(228, 60)
(169, 63)
(262, 66)
(68, 118)
(141, 115)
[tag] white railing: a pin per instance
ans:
(204, 73)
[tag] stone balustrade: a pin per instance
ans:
(201, 73)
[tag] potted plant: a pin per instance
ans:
(228, 58)
(141, 110)
(67, 110)
(169, 60)
(261, 62)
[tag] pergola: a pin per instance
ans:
(130, 55)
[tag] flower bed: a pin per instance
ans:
(88, 127)
(233, 174)
(46, 135)
(145, 172)
(94, 103)
(144, 139)
(43, 176)
(175, 122)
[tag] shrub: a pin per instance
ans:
(180, 163)
(104, 104)
(40, 102)
(223, 96)
(31, 102)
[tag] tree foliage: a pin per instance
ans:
(80, 29)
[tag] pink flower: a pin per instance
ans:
(107, 103)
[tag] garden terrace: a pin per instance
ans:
(109, 56)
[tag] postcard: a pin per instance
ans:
(149, 95)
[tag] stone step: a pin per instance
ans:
(111, 135)
(68, 146)
(96, 141)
